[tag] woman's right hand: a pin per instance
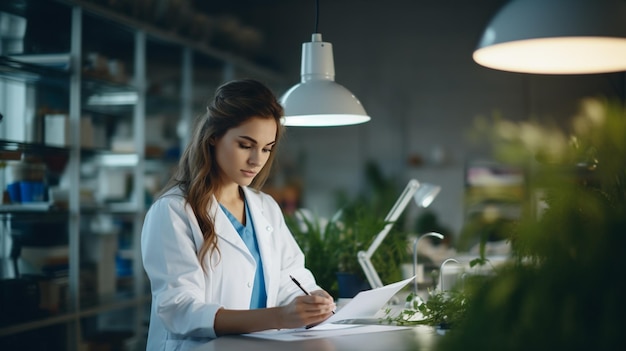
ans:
(306, 310)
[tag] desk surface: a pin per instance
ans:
(413, 339)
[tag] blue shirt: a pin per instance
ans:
(248, 235)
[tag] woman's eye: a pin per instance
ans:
(244, 146)
(267, 150)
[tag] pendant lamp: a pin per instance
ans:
(318, 101)
(556, 37)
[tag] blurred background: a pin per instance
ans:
(148, 68)
(410, 64)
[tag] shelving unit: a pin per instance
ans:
(100, 185)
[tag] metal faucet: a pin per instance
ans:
(415, 242)
(441, 271)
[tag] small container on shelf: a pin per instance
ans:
(26, 181)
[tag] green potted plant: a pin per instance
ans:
(331, 246)
(363, 224)
(331, 249)
(317, 238)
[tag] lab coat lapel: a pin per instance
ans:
(264, 231)
(225, 230)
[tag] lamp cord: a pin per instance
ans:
(317, 15)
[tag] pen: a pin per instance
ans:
(300, 286)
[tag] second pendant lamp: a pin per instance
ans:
(318, 101)
(556, 37)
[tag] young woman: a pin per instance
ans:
(216, 250)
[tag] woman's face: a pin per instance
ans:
(243, 151)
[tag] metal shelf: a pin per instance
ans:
(61, 75)
(13, 150)
(90, 309)
(174, 38)
(20, 71)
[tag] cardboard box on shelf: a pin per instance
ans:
(57, 130)
(53, 295)
(100, 250)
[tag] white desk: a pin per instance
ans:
(417, 338)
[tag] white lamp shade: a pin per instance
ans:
(425, 194)
(556, 37)
(319, 101)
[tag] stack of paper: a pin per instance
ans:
(365, 304)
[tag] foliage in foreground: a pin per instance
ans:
(443, 309)
(566, 287)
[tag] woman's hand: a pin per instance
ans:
(321, 293)
(307, 310)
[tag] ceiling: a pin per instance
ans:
(230, 6)
(242, 26)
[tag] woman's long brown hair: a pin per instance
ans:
(197, 174)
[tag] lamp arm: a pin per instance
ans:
(365, 257)
(370, 272)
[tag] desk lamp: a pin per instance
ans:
(423, 194)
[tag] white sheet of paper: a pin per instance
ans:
(367, 303)
(313, 333)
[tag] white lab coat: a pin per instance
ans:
(184, 297)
